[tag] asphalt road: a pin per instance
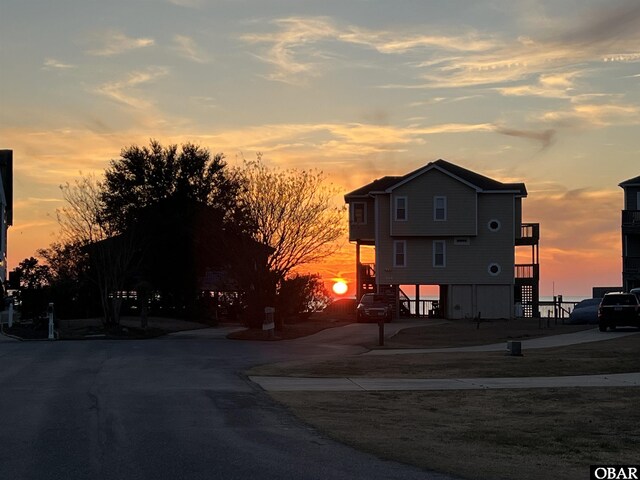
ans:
(172, 408)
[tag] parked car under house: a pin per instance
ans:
(374, 307)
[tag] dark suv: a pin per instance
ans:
(618, 309)
(374, 307)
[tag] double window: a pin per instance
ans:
(401, 211)
(439, 253)
(400, 253)
(440, 209)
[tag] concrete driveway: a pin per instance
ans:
(171, 408)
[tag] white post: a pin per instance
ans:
(10, 314)
(268, 323)
(50, 321)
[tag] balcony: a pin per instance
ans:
(631, 265)
(529, 234)
(631, 222)
(527, 273)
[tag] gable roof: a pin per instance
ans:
(632, 182)
(378, 185)
(476, 181)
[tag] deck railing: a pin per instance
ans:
(529, 270)
(530, 230)
(631, 265)
(630, 217)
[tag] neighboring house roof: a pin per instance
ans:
(632, 182)
(378, 185)
(473, 179)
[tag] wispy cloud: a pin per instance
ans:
(296, 47)
(350, 142)
(469, 58)
(122, 91)
(553, 85)
(30, 201)
(286, 46)
(580, 116)
(402, 42)
(186, 47)
(114, 42)
(606, 34)
(53, 64)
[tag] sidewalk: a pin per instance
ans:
(584, 336)
(293, 384)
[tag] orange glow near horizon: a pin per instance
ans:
(570, 264)
(340, 287)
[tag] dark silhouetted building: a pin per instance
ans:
(631, 234)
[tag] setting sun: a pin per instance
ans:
(340, 287)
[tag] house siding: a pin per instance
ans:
(363, 232)
(420, 193)
(465, 264)
(517, 217)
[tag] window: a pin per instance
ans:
(439, 259)
(358, 213)
(494, 269)
(494, 225)
(401, 208)
(439, 209)
(400, 253)
(462, 241)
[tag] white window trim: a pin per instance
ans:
(435, 209)
(406, 209)
(395, 253)
(444, 253)
(364, 217)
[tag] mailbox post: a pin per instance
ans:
(50, 313)
(269, 322)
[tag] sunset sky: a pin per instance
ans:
(546, 93)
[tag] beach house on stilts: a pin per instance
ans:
(447, 226)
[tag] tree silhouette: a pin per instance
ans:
(84, 227)
(293, 213)
(184, 206)
(32, 274)
(146, 176)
